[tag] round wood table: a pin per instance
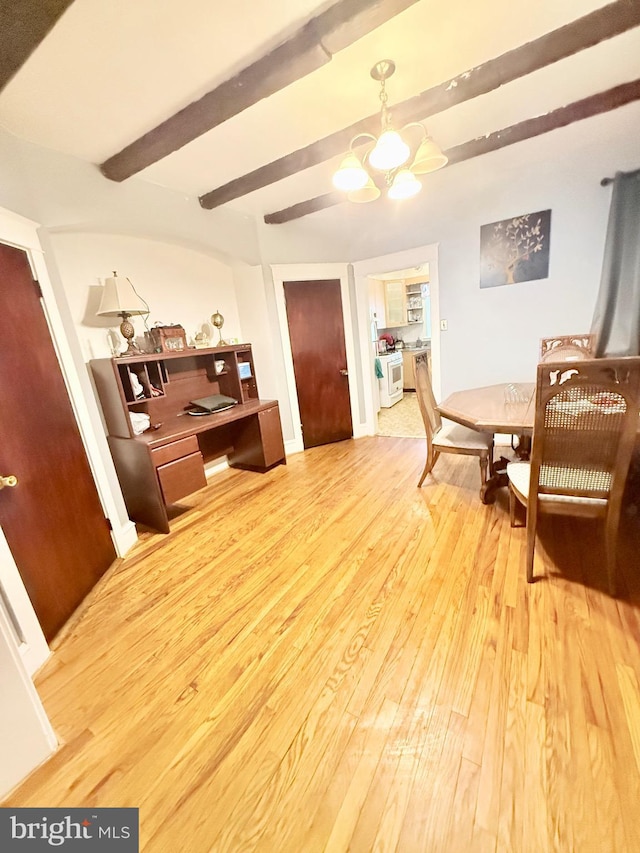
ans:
(507, 408)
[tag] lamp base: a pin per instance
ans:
(128, 333)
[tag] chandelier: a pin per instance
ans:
(386, 158)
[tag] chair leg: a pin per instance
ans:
(432, 458)
(532, 520)
(611, 541)
(514, 503)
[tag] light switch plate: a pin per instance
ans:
(444, 325)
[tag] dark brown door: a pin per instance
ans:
(52, 518)
(314, 315)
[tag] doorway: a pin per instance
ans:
(400, 304)
(416, 293)
(52, 518)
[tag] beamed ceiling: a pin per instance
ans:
(250, 104)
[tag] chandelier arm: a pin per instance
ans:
(369, 136)
(425, 133)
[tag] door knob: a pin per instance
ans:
(8, 481)
(344, 372)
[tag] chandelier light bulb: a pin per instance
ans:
(390, 151)
(350, 175)
(405, 185)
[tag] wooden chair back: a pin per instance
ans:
(426, 401)
(586, 421)
(567, 348)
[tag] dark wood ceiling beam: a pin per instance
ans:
(23, 26)
(585, 32)
(303, 208)
(594, 105)
(308, 49)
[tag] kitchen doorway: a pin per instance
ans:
(402, 301)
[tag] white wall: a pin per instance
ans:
(26, 736)
(179, 284)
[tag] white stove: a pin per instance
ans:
(392, 380)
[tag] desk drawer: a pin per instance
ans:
(181, 477)
(175, 450)
(271, 432)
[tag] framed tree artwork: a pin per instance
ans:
(515, 250)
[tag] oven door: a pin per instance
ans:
(395, 377)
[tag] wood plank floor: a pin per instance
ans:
(325, 658)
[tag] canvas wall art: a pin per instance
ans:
(515, 250)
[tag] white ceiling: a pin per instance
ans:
(111, 70)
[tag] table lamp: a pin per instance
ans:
(119, 299)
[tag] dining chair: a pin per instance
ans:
(585, 426)
(567, 348)
(449, 437)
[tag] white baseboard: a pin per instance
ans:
(294, 445)
(212, 468)
(124, 537)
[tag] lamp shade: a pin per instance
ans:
(405, 184)
(428, 158)
(350, 175)
(119, 297)
(369, 192)
(390, 151)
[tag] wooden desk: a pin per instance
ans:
(165, 464)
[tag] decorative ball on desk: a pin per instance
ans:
(218, 321)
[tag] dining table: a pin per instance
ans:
(507, 408)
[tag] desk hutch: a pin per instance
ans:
(166, 463)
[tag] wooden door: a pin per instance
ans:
(316, 330)
(52, 519)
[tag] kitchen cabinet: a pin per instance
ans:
(377, 302)
(414, 303)
(411, 358)
(404, 305)
(394, 302)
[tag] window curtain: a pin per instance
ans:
(616, 320)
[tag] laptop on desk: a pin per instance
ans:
(209, 405)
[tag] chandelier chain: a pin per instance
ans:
(385, 118)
